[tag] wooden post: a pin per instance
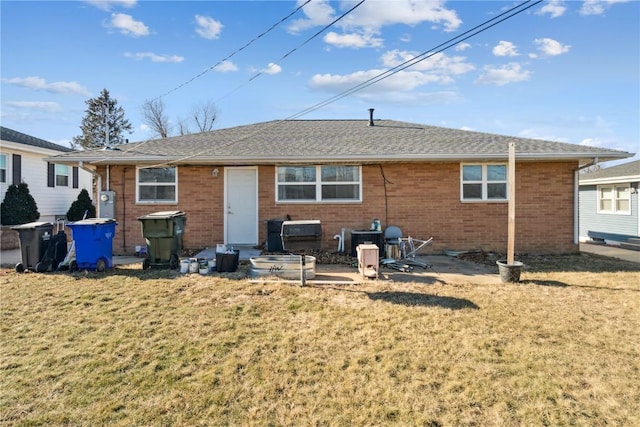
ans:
(511, 185)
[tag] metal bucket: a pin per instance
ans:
(283, 266)
(392, 251)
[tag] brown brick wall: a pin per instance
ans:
(422, 199)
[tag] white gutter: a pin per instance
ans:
(576, 201)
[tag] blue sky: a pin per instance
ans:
(562, 70)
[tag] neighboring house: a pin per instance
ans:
(430, 181)
(53, 186)
(609, 205)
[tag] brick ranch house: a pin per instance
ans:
(430, 181)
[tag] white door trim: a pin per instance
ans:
(227, 183)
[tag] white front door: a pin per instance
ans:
(241, 202)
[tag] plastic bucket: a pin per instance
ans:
(184, 266)
(193, 265)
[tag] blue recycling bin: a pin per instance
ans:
(93, 241)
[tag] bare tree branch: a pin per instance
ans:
(155, 117)
(205, 115)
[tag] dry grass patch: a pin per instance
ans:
(128, 347)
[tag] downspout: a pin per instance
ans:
(98, 178)
(576, 202)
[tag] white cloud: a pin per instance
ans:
(352, 40)
(49, 107)
(401, 81)
(107, 5)
(555, 8)
(154, 57)
(501, 76)
(597, 7)
(208, 27)
(128, 26)
(371, 16)
(226, 66)
(317, 13)
(550, 47)
(462, 46)
(505, 48)
(272, 68)
(40, 84)
(438, 63)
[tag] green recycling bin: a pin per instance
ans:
(163, 233)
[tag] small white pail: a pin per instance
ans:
(184, 266)
(193, 265)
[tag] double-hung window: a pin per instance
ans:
(62, 176)
(484, 182)
(614, 199)
(3, 168)
(319, 183)
(157, 185)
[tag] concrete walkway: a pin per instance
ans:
(611, 251)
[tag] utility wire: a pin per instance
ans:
(425, 55)
(236, 51)
(325, 28)
(421, 57)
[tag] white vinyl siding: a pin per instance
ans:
(483, 182)
(52, 202)
(319, 183)
(157, 185)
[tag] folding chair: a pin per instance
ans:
(401, 251)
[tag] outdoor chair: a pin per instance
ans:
(401, 251)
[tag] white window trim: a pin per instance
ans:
(154, 202)
(6, 168)
(613, 210)
(56, 175)
(484, 182)
(318, 185)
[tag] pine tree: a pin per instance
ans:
(102, 113)
(81, 205)
(19, 206)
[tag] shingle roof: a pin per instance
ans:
(335, 141)
(11, 135)
(625, 171)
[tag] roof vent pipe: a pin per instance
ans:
(371, 116)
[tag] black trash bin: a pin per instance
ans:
(227, 262)
(274, 240)
(163, 233)
(34, 241)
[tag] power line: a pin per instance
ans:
(236, 51)
(421, 57)
(325, 28)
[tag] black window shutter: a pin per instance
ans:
(51, 175)
(17, 169)
(75, 177)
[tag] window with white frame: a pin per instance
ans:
(157, 185)
(614, 199)
(3, 168)
(62, 176)
(319, 183)
(483, 182)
